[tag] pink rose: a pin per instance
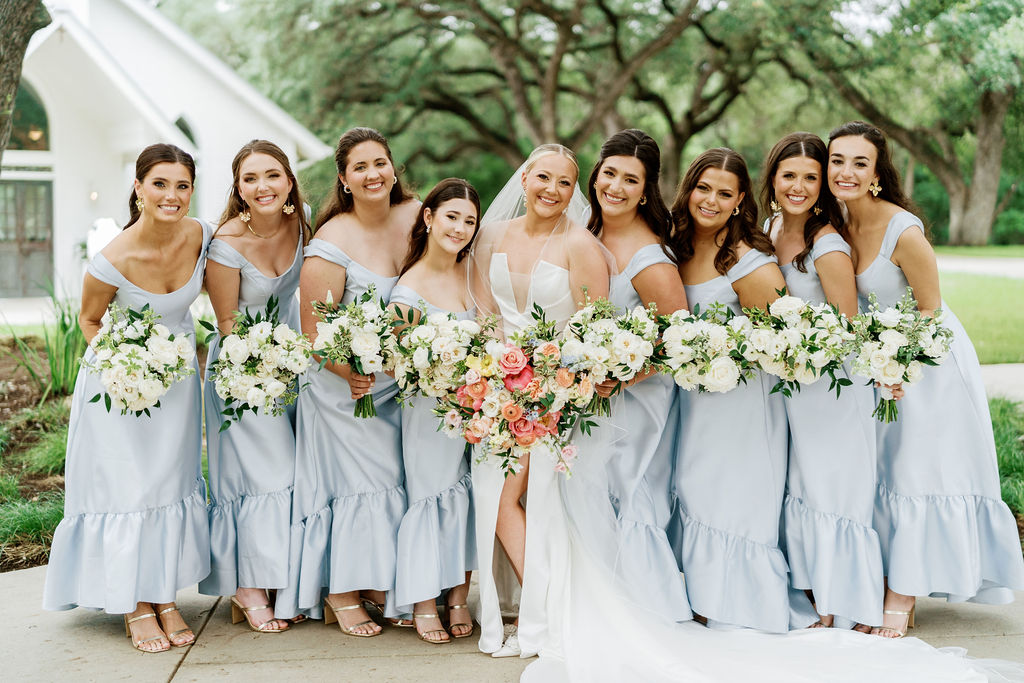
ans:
(479, 427)
(472, 376)
(452, 419)
(470, 436)
(560, 467)
(512, 360)
(519, 381)
(520, 427)
(570, 452)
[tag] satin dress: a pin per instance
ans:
(944, 528)
(437, 538)
(830, 544)
(349, 496)
(252, 463)
(135, 526)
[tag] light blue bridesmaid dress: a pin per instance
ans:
(437, 537)
(348, 498)
(830, 544)
(944, 528)
(640, 438)
(728, 481)
(135, 526)
(252, 463)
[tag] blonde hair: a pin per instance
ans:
(551, 148)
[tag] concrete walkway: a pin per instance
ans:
(83, 645)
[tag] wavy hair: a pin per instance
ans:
(160, 153)
(236, 204)
(810, 146)
(738, 228)
(449, 188)
(638, 144)
(341, 202)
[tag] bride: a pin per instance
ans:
(532, 250)
(573, 610)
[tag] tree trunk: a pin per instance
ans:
(957, 204)
(20, 19)
(908, 176)
(983, 194)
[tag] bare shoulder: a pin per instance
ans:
(407, 209)
(335, 229)
(826, 229)
(231, 231)
(579, 237)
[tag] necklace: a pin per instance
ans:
(262, 237)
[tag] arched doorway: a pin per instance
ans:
(26, 201)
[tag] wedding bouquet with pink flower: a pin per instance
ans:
(799, 342)
(604, 344)
(358, 335)
(258, 364)
(704, 350)
(894, 345)
(431, 352)
(138, 359)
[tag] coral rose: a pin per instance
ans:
(512, 360)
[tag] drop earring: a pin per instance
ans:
(288, 209)
(139, 204)
(775, 206)
(874, 188)
(245, 216)
(816, 210)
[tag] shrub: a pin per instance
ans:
(1008, 429)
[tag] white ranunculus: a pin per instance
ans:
(718, 338)
(372, 364)
(687, 377)
(890, 317)
(365, 344)
(275, 388)
(491, 406)
(235, 349)
(721, 376)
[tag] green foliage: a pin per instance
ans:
(63, 347)
(1009, 227)
(989, 310)
(46, 456)
(23, 521)
(991, 251)
(8, 488)
(1008, 429)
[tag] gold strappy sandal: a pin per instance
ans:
(136, 643)
(891, 632)
(238, 613)
(470, 624)
(331, 616)
(170, 636)
(423, 636)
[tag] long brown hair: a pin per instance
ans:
(449, 188)
(160, 153)
(888, 176)
(810, 146)
(236, 204)
(738, 228)
(341, 202)
(638, 144)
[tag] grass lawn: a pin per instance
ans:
(990, 309)
(1008, 428)
(991, 251)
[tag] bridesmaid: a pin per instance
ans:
(348, 499)
(633, 223)
(436, 541)
(943, 526)
(730, 466)
(256, 254)
(831, 547)
(135, 528)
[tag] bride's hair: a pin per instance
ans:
(340, 201)
(638, 144)
(449, 188)
(551, 148)
(738, 228)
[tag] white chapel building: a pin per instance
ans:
(105, 79)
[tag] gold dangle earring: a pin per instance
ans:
(288, 209)
(244, 216)
(139, 204)
(775, 206)
(817, 210)
(643, 200)
(874, 188)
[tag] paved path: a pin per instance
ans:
(1004, 267)
(81, 645)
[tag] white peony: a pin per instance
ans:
(890, 317)
(151, 389)
(235, 349)
(365, 344)
(261, 331)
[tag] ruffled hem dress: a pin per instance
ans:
(939, 514)
(135, 526)
(830, 544)
(348, 497)
(437, 537)
(638, 441)
(728, 483)
(252, 463)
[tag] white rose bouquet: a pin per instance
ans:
(893, 347)
(704, 350)
(258, 364)
(429, 352)
(604, 344)
(138, 359)
(358, 335)
(799, 342)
